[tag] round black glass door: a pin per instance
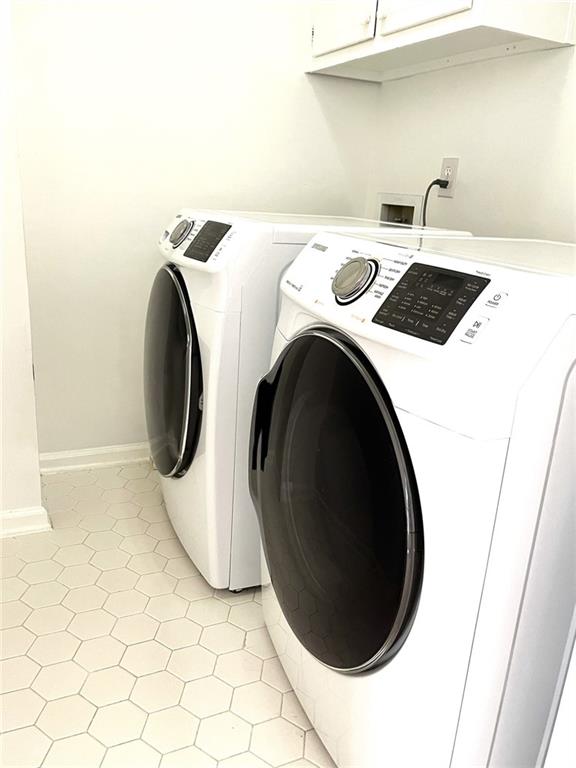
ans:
(172, 375)
(337, 503)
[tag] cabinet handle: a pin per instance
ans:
(367, 21)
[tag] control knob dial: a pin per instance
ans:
(180, 232)
(353, 279)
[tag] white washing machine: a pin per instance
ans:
(209, 331)
(412, 466)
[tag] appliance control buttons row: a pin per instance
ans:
(429, 302)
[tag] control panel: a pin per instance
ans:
(206, 241)
(194, 238)
(428, 292)
(428, 302)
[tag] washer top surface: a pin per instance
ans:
(304, 220)
(545, 256)
(213, 240)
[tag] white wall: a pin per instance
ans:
(20, 502)
(130, 109)
(513, 124)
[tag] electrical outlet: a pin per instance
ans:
(449, 171)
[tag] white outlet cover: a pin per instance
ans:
(452, 164)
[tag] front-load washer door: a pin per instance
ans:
(172, 375)
(337, 502)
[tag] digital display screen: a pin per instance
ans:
(206, 241)
(445, 285)
(429, 302)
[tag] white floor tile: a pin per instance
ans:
(190, 757)
(12, 566)
(192, 663)
(135, 754)
(99, 653)
(278, 741)
(208, 611)
(238, 668)
(257, 702)
(247, 615)
(14, 614)
(148, 562)
(63, 679)
(43, 570)
(170, 729)
(117, 723)
(222, 638)
(135, 629)
(207, 696)
(145, 658)
(166, 607)
(24, 748)
(85, 599)
(12, 589)
(108, 686)
(75, 554)
(42, 595)
(117, 654)
(91, 624)
(75, 752)
(157, 691)
(20, 708)
(17, 673)
(178, 633)
(222, 736)
(15, 642)
(54, 648)
(117, 580)
(66, 717)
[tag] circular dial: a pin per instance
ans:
(180, 232)
(353, 279)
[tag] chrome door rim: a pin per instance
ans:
(187, 385)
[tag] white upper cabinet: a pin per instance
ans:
(390, 39)
(394, 15)
(340, 23)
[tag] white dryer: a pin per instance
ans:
(412, 467)
(209, 331)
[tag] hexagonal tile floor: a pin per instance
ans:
(116, 653)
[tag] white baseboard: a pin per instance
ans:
(94, 458)
(17, 522)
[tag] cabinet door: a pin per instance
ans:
(340, 23)
(394, 15)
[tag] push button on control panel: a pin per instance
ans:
(475, 328)
(495, 299)
(429, 302)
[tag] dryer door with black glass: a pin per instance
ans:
(337, 502)
(172, 375)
